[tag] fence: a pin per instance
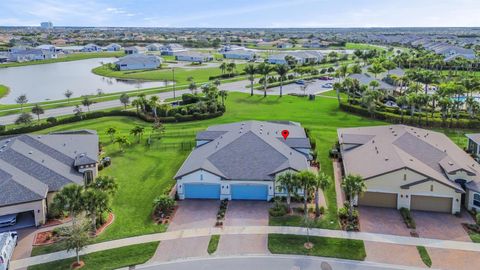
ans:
(180, 146)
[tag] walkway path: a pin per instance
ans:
(337, 173)
(248, 230)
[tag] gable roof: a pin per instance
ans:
(251, 150)
(384, 149)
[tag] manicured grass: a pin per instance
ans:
(322, 246)
(424, 255)
(474, 236)
(181, 75)
(106, 260)
(66, 58)
(361, 46)
(4, 90)
(213, 244)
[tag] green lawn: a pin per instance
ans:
(4, 90)
(322, 246)
(106, 260)
(213, 244)
(424, 255)
(66, 58)
(474, 236)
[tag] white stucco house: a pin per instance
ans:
(410, 167)
(240, 54)
(191, 56)
(172, 49)
(138, 61)
(112, 47)
(300, 57)
(33, 168)
(91, 48)
(241, 161)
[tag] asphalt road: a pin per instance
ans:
(277, 262)
(314, 87)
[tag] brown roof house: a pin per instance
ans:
(410, 167)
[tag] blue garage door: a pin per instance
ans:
(202, 191)
(249, 192)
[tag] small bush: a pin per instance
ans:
(407, 218)
(343, 212)
(278, 209)
(2, 128)
(477, 219)
(163, 205)
(51, 120)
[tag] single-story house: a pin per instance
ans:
(91, 48)
(172, 49)
(138, 61)
(133, 50)
(33, 168)
(240, 54)
(229, 48)
(47, 47)
(365, 79)
(191, 56)
(473, 144)
(112, 47)
(153, 47)
(409, 167)
(31, 55)
(300, 57)
(241, 161)
(284, 45)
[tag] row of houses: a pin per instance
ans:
(300, 58)
(448, 51)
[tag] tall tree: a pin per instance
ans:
(290, 183)
(70, 198)
(125, 100)
(376, 68)
(68, 94)
(153, 102)
(75, 238)
(322, 181)
(22, 100)
(111, 131)
(282, 71)
(24, 119)
(223, 67)
(106, 184)
(250, 70)
(137, 132)
(95, 203)
(87, 102)
(307, 181)
(264, 69)
(37, 110)
(353, 186)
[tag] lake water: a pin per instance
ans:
(49, 81)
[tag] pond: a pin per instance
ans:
(50, 81)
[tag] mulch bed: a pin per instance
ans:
(166, 219)
(111, 218)
(44, 238)
(75, 265)
(55, 222)
(470, 228)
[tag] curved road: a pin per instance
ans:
(277, 262)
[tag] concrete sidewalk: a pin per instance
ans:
(246, 230)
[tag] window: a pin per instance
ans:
(431, 188)
(476, 199)
(88, 177)
(404, 177)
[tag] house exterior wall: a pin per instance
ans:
(469, 198)
(392, 182)
(135, 66)
(39, 209)
(191, 58)
(473, 147)
(233, 55)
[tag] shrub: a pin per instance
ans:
(343, 212)
(407, 218)
(477, 218)
(2, 128)
(278, 209)
(163, 204)
(51, 120)
(189, 99)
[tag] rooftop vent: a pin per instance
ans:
(386, 159)
(30, 152)
(450, 163)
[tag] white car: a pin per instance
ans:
(8, 220)
(8, 241)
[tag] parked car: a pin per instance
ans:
(325, 78)
(8, 241)
(301, 82)
(8, 220)
(391, 104)
(327, 85)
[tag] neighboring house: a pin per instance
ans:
(229, 48)
(153, 47)
(172, 49)
(91, 48)
(285, 45)
(301, 58)
(366, 79)
(241, 161)
(473, 144)
(31, 55)
(315, 44)
(138, 61)
(410, 167)
(47, 47)
(191, 56)
(112, 47)
(132, 50)
(240, 54)
(34, 167)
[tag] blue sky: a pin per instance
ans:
(242, 13)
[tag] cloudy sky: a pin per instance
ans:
(242, 13)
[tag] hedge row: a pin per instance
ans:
(94, 115)
(397, 119)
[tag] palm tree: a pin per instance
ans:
(223, 67)
(122, 142)
(375, 69)
(307, 182)
(223, 94)
(193, 87)
(68, 94)
(37, 110)
(106, 184)
(125, 100)
(138, 104)
(142, 100)
(137, 131)
(342, 71)
(154, 104)
(22, 100)
(282, 71)
(87, 102)
(402, 102)
(322, 181)
(70, 199)
(165, 107)
(250, 70)
(96, 203)
(264, 69)
(389, 65)
(231, 68)
(290, 183)
(353, 186)
(111, 132)
(374, 84)
(427, 77)
(75, 238)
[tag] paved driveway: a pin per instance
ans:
(382, 220)
(191, 214)
(244, 213)
(441, 225)
(454, 259)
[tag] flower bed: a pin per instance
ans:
(221, 213)
(101, 229)
(165, 218)
(45, 238)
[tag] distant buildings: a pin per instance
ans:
(448, 51)
(112, 47)
(46, 25)
(285, 45)
(24, 54)
(91, 48)
(196, 57)
(300, 57)
(134, 50)
(138, 61)
(240, 54)
(172, 49)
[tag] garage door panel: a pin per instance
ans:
(202, 191)
(430, 203)
(378, 199)
(249, 192)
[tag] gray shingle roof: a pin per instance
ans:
(209, 135)
(248, 150)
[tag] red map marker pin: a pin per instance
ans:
(285, 134)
